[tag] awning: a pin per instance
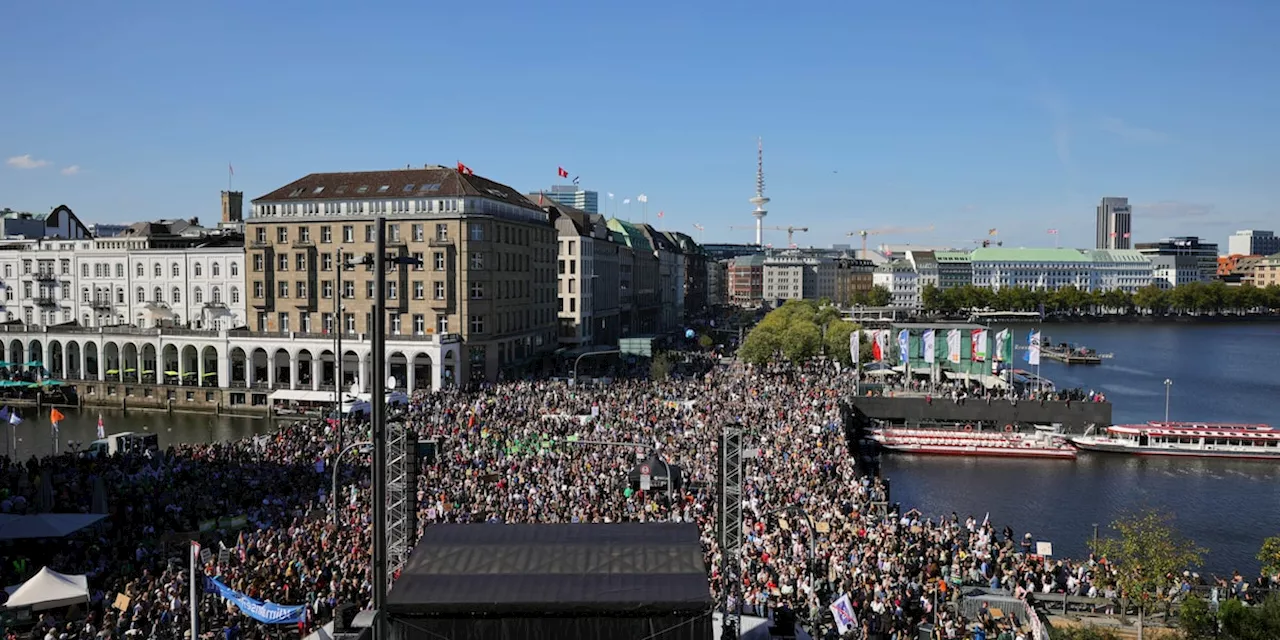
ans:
(301, 395)
(156, 311)
(44, 525)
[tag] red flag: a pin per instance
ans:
(465, 170)
(659, 214)
(539, 198)
(876, 353)
(563, 173)
(1126, 235)
(56, 416)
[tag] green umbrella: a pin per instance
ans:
(171, 373)
(5, 364)
(35, 363)
(130, 370)
(210, 374)
(147, 372)
(113, 372)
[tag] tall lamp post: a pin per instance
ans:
(1168, 384)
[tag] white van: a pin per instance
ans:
(127, 442)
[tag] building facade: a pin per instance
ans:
(1205, 254)
(1050, 269)
(1265, 272)
(746, 280)
(571, 195)
(902, 281)
(1114, 224)
(485, 274)
(717, 282)
(1253, 242)
(793, 275)
(853, 279)
(955, 269)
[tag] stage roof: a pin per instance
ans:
(630, 569)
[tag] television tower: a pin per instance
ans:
(760, 200)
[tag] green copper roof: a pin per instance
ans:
(631, 235)
(1004, 254)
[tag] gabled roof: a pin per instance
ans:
(429, 182)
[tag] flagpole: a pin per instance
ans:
(195, 604)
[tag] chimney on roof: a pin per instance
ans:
(195, 222)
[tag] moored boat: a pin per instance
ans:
(1186, 439)
(1011, 443)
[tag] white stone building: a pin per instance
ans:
(902, 281)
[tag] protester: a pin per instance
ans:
(516, 452)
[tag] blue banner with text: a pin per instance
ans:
(265, 612)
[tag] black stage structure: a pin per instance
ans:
(553, 581)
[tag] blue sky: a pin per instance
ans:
(962, 115)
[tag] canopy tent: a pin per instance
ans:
(49, 590)
(657, 470)
(45, 525)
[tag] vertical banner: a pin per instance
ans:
(1002, 343)
(904, 346)
(953, 346)
(978, 345)
(930, 353)
(881, 346)
(855, 343)
(1033, 348)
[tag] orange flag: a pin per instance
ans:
(56, 416)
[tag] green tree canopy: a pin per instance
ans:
(1190, 298)
(797, 331)
(1146, 549)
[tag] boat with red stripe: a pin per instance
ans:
(1186, 439)
(965, 440)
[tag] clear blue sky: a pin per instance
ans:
(966, 115)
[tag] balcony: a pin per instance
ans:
(45, 276)
(260, 244)
(102, 303)
(46, 301)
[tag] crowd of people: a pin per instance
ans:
(514, 452)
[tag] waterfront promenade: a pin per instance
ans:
(218, 371)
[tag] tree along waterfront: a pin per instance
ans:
(1195, 298)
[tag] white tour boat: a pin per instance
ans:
(1046, 442)
(1190, 439)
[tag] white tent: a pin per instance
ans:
(49, 590)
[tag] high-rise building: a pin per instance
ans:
(572, 196)
(1115, 224)
(1252, 242)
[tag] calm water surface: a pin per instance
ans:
(1224, 373)
(34, 435)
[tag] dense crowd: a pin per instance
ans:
(509, 455)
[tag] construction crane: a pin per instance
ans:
(790, 231)
(884, 231)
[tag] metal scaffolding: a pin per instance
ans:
(730, 528)
(402, 494)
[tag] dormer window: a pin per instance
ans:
(408, 188)
(383, 188)
(295, 193)
(364, 188)
(316, 191)
(342, 188)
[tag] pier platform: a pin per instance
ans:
(1074, 416)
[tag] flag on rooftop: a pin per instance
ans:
(561, 172)
(991, 232)
(642, 198)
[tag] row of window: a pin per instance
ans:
(100, 270)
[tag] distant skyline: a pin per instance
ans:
(965, 116)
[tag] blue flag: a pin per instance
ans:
(904, 345)
(264, 612)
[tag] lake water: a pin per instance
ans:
(1223, 373)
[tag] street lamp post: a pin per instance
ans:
(1168, 384)
(337, 346)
